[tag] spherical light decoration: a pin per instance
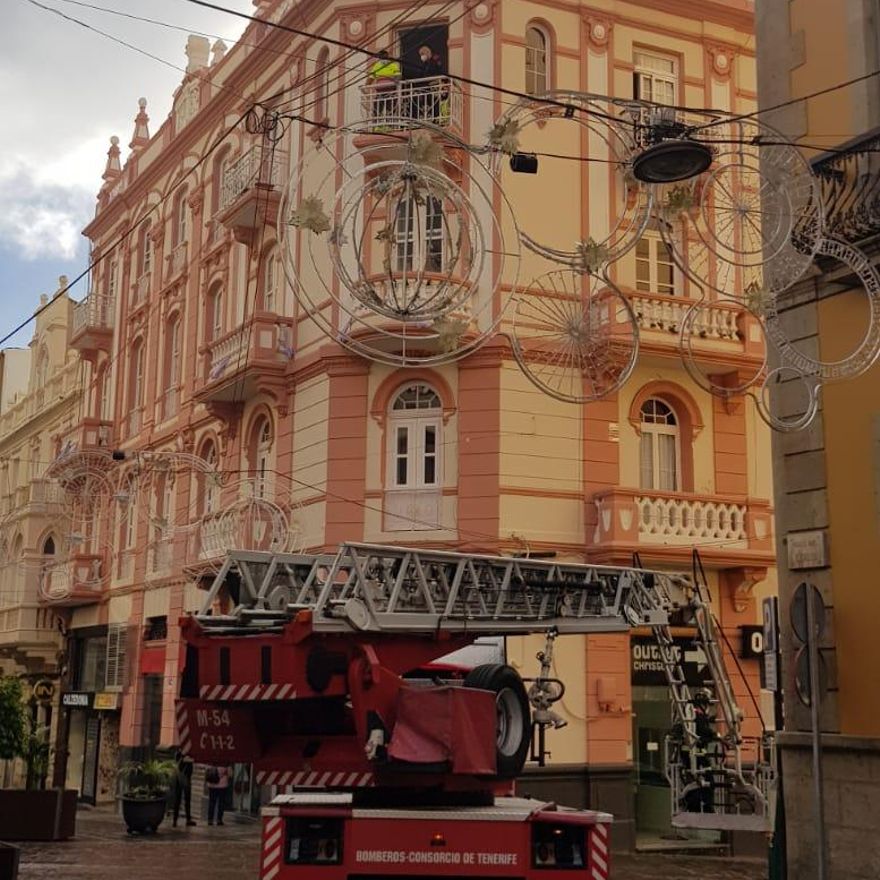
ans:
(575, 336)
(395, 245)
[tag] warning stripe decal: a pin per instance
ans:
(271, 861)
(247, 692)
(314, 779)
(183, 733)
(599, 852)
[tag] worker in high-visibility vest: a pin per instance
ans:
(385, 75)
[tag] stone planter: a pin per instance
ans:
(141, 815)
(38, 815)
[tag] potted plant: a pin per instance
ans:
(145, 788)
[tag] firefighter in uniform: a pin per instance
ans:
(701, 798)
(385, 75)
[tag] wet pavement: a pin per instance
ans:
(103, 851)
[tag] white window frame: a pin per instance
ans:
(146, 251)
(173, 377)
(215, 314)
(653, 242)
(654, 430)
(137, 376)
(648, 75)
(409, 252)
(270, 280)
(180, 220)
(536, 76)
(416, 421)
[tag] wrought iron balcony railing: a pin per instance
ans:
(435, 99)
(851, 187)
(258, 165)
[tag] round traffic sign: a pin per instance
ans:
(807, 593)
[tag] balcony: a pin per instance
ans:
(250, 359)
(249, 192)
(668, 525)
(722, 337)
(436, 100)
(176, 262)
(140, 291)
(850, 179)
(77, 581)
(91, 433)
(92, 328)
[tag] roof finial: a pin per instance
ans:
(197, 49)
(218, 52)
(141, 136)
(114, 167)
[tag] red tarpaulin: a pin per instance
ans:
(446, 724)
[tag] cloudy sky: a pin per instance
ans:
(64, 91)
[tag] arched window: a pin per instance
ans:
(181, 214)
(136, 386)
(537, 44)
(322, 92)
(660, 449)
(145, 249)
(49, 546)
(214, 314)
(172, 352)
(270, 281)
(208, 481)
(221, 166)
(104, 402)
(260, 456)
(414, 438)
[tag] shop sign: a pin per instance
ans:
(77, 699)
(44, 691)
(647, 664)
(106, 701)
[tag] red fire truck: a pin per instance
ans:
(317, 669)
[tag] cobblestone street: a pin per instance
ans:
(102, 851)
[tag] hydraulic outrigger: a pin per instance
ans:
(298, 664)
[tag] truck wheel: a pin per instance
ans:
(513, 728)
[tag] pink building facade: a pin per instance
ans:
(199, 352)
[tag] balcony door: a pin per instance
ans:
(435, 37)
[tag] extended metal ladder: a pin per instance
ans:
(373, 588)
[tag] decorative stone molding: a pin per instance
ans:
(356, 26)
(743, 582)
(598, 30)
(397, 381)
(483, 15)
(196, 201)
(721, 58)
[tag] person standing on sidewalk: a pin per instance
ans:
(217, 782)
(183, 787)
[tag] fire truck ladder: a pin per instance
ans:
(380, 589)
(373, 588)
(742, 793)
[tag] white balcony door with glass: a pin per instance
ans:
(413, 480)
(660, 451)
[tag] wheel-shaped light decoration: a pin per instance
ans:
(248, 519)
(575, 336)
(865, 350)
(711, 327)
(395, 245)
(753, 220)
(617, 207)
(803, 405)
